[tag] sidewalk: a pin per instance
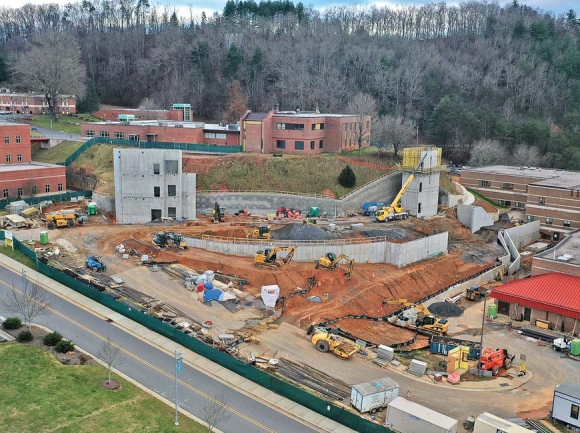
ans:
(265, 396)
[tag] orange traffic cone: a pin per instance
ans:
(539, 342)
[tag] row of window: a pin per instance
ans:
(487, 184)
(299, 145)
(20, 190)
(18, 158)
(215, 135)
(7, 139)
(171, 191)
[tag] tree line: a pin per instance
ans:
(456, 75)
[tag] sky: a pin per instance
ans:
(183, 7)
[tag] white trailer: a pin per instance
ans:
(408, 417)
(374, 396)
(488, 423)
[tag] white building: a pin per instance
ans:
(150, 186)
(566, 403)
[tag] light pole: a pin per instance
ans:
(483, 319)
(178, 368)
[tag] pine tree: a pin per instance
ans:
(347, 178)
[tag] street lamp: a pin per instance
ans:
(178, 368)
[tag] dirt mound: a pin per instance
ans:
(445, 309)
(392, 235)
(301, 232)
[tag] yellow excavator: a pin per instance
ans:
(269, 257)
(421, 317)
(331, 261)
(395, 210)
(262, 232)
(326, 341)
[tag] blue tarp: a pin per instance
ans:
(212, 294)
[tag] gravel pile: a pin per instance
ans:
(394, 234)
(301, 232)
(445, 309)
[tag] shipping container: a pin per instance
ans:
(375, 395)
(488, 423)
(408, 417)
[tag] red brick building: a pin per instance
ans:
(299, 132)
(21, 177)
(34, 103)
(112, 114)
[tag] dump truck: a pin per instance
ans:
(327, 341)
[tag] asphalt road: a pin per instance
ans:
(47, 132)
(155, 369)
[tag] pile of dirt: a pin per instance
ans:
(445, 309)
(393, 235)
(301, 232)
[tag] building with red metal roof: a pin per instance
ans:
(551, 300)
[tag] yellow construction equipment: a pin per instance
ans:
(61, 219)
(331, 261)
(417, 316)
(262, 232)
(325, 342)
(219, 213)
(268, 257)
(395, 210)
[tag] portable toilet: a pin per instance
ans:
(575, 347)
(314, 212)
(492, 311)
(43, 238)
(92, 208)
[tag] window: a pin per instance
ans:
(321, 144)
(312, 145)
(133, 137)
(484, 183)
(89, 133)
(104, 134)
(419, 208)
(7, 139)
(156, 191)
(33, 190)
(119, 135)
(5, 192)
(542, 200)
(504, 203)
(221, 136)
(155, 168)
(8, 158)
(171, 167)
(322, 126)
(171, 190)
(520, 205)
(47, 188)
(19, 157)
(299, 145)
(420, 188)
(172, 212)
(210, 135)
(574, 411)
(18, 139)
(549, 221)
(280, 144)
(19, 191)
(290, 126)
(59, 187)
(317, 126)
(566, 223)
(507, 186)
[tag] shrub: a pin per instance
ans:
(52, 339)
(25, 336)
(12, 323)
(64, 346)
(347, 178)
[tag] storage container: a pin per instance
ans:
(375, 395)
(409, 417)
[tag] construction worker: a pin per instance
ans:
(408, 397)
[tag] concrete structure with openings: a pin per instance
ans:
(35, 103)
(549, 196)
(150, 186)
(19, 175)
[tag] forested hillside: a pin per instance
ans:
(465, 75)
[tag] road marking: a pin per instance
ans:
(141, 360)
(505, 336)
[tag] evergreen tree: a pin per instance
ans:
(90, 103)
(4, 70)
(347, 178)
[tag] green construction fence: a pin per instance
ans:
(60, 196)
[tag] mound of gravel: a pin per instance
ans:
(394, 234)
(445, 309)
(301, 232)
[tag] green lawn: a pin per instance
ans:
(69, 124)
(56, 154)
(482, 198)
(40, 394)
(17, 255)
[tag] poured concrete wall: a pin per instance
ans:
(422, 196)
(404, 254)
(473, 217)
(382, 189)
(525, 234)
(104, 203)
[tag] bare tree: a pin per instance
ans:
(53, 67)
(487, 152)
(397, 131)
(526, 156)
(216, 411)
(364, 108)
(110, 354)
(30, 302)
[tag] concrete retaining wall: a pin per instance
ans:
(473, 217)
(404, 254)
(262, 203)
(104, 203)
(525, 234)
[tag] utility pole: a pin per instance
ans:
(178, 368)
(483, 318)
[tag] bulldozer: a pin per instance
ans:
(167, 238)
(62, 219)
(268, 257)
(495, 359)
(420, 318)
(262, 232)
(331, 261)
(327, 341)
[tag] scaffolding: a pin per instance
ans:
(412, 156)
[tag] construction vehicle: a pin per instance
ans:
(495, 359)
(395, 209)
(331, 261)
(262, 232)
(95, 263)
(326, 341)
(561, 344)
(475, 293)
(417, 316)
(268, 257)
(62, 219)
(219, 213)
(167, 238)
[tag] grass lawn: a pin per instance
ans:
(17, 255)
(69, 124)
(40, 394)
(57, 154)
(482, 198)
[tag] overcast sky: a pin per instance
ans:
(209, 6)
